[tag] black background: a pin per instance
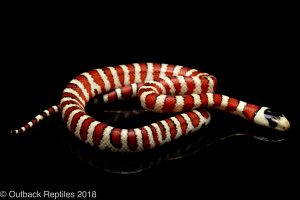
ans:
(253, 55)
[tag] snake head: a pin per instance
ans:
(269, 118)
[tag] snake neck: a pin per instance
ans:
(260, 115)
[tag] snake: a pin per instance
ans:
(162, 88)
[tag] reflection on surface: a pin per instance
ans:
(128, 163)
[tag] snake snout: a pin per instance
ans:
(283, 124)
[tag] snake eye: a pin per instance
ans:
(272, 117)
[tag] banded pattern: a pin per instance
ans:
(161, 88)
(46, 113)
(123, 82)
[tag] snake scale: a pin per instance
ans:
(161, 88)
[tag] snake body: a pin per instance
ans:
(161, 88)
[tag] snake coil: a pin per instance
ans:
(161, 88)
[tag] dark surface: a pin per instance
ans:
(253, 63)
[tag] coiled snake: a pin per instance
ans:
(161, 88)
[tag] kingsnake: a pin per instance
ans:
(161, 88)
